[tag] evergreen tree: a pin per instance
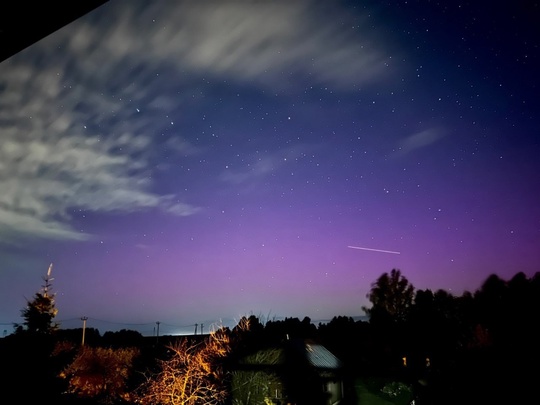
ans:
(41, 310)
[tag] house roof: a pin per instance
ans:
(320, 357)
(313, 354)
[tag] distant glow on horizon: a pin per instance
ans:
(374, 250)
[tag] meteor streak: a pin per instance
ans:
(374, 250)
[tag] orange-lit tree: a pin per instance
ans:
(100, 373)
(193, 374)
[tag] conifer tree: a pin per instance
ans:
(41, 310)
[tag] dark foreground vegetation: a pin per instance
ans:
(418, 347)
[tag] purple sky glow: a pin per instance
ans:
(195, 162)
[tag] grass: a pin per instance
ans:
(377, 391)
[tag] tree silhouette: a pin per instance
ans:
(41, 310)
(27, 354)
(391, 297)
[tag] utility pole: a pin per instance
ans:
(84, 319)
(196, 328)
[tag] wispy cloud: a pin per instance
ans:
(54, 157)
(419, 140)
(262, 166)
(80, 130)
(247, 41)
(252, 171)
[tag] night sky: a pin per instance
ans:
(194, 162)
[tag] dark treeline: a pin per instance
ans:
(479, 347)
